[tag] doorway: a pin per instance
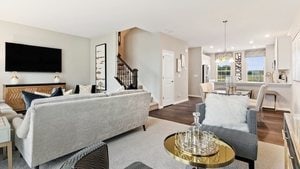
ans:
(168, 72)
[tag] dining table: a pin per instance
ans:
(237, 92)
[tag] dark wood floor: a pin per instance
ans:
(269, 129)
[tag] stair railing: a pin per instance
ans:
(126, 76)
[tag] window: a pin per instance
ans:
(223, 70)
(255, 68)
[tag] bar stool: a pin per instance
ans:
(274, 94)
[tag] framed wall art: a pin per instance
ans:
(100, 67)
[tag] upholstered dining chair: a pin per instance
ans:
(206, 88)
(256, 104)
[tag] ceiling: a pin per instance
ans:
(198, 22)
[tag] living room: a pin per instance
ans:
(110, 116)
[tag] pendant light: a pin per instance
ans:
(224, 56)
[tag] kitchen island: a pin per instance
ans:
(283, 90)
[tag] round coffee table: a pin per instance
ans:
(224, 157)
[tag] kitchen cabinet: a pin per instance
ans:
(283, 52)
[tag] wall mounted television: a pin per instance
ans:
(27, 58)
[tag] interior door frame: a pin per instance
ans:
(162, 75)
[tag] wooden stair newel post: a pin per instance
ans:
(135, 78)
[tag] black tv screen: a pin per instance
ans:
(27, 58)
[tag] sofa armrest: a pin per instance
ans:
(21, 126)
(200, 107)
(251, 120)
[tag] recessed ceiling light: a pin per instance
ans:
(211, 47)
(253, 46)
(232, 47)
(267, 35)
(251, 41)
(219, 50)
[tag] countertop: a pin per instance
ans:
(256, 83)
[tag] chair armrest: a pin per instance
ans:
(94, 156)
(251, 120)
(200, 107)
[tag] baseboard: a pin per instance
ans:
(278, 108)
(195, 96)
(181, 101)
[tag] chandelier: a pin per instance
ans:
(225, 56)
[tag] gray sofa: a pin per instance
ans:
(54, 127)
(243, 143)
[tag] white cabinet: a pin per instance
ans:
(283, 52)
(296, 58)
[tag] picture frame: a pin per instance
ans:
(178, 65)
(100, 67)
(182, 58)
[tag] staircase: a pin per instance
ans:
(153, 105)
(126, 76)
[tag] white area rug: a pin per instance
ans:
(147, 147)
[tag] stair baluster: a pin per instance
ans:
(126, 76)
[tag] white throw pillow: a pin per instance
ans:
(43, 94)
(225, 111)
(85, 89)
(69, 92)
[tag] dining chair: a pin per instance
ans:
(256, 104)
(206, 88)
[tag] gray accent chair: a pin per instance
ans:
(92, 157)
(243, 143)
(95, 156)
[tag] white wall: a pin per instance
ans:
(195, 62)
(206, 60)
(181, 78)
(75, 54)
(294, 30)
(143, 53)
(111, 59)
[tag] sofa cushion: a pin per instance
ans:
(29, 97)
(243, 143)
(66, 98)
(117, 93)
(225, 111)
